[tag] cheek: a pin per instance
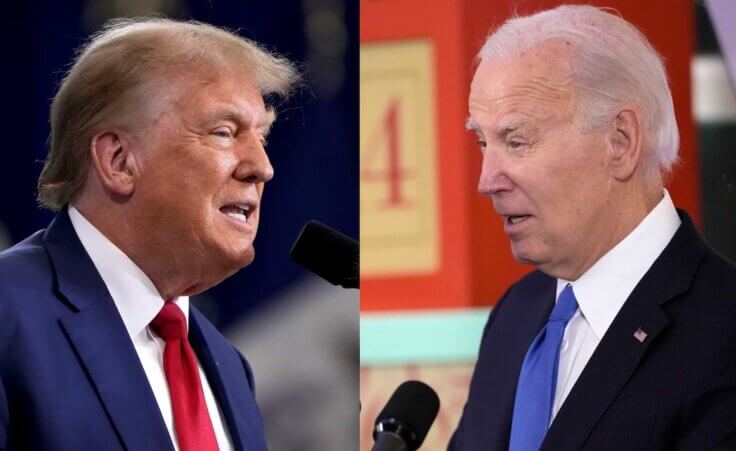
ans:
(593, 180)
(558, 189)
(550, 184)
(184, 198)
(204, 177)
(584, 195)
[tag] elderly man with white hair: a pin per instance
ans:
(157, 167)
(625, 337)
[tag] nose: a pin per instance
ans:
(254, 165)
(493, 173)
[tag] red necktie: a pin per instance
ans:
(191, 420)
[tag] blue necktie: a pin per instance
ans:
(535, 391)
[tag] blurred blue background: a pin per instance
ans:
(300, 334)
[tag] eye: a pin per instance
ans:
(515, 144)
(223, 132)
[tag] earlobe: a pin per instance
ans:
(626, 142)
(113, 163)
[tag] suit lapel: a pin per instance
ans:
(97, 333)
(105, 350)
(619, 353)
(610, 366)
(520, 318)
(227, 377)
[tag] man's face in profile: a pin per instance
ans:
(546, 176)
(203, 171)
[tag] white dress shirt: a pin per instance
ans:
(138, 302)
(602, 290)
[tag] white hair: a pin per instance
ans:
(612, 64)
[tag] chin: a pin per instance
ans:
(524, 255)
(239, 258)
(519, 252)
(227, 256)
(248, 258)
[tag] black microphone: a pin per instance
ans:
(405, 420)
(329, 254)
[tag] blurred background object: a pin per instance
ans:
(714, 110)
(434, 258)
(299, 333)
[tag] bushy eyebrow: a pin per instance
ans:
(262, 123)
(503, 129)
(470, 125)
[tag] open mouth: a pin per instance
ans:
(516, 219)
(238, 212)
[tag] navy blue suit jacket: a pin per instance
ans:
(71, 378)
(676, 390)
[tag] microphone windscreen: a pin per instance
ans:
(328, 253)
(414, 405)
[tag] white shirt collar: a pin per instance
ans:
(605, 286)
(135, 296)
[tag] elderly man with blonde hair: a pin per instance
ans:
(624, 337)
(157, 167)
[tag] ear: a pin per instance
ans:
(113, 163)
(626, 142)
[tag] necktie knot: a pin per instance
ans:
(170, 322)
(565, 306)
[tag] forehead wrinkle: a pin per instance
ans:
(534, 89)
(537, 101)
(513, 111)
(542, 90)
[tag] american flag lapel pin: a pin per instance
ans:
(640, 335)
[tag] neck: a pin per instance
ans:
(619, 220)
(171, 277)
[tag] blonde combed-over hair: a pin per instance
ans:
(117, 73)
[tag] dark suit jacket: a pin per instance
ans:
(676, 390)
(71, 379)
